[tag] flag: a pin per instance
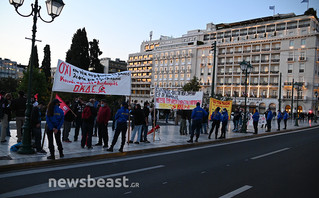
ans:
(65, 108)
(305, 1)
(271, 7)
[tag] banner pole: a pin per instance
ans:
(46, 126)
(129, 123)
(154, 114)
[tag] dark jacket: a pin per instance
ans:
(139, 117)
(35, 117)
(78, 108)
(103, 115)
(69, 116)
(19, 106)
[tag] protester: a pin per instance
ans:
(279, 118)
(269, 119)
(121, 118)
(97, 106)
(88, 116)
(197, 115)
(166, 114)
(236, 120)
(36, 127)
(2, 93)
(205, 121)
(6, 108)
(183, 127)
(216, 118)
(224, 120)
(78, 107)
(146, 110)
(255, 121)
(286, 116)
(68, 119)
(139, 120)
(19, 106)
(55, 119)
(103, 117)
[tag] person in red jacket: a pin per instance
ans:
(103, 117)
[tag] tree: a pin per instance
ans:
(35, 58)
(95, 52)
(193, 85)
(39, 84)
(78, 54)
(312, 12)
(9, 85)
(46, 63)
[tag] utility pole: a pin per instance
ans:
(279, 99)
(213, 47)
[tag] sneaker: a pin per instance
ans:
(121, 150)
(190, 141)
(51, 157)
(146, 141)
(41, 152)
(109, 149)
(136, 142)
(196, 140)
(130, 141)
(89, 148)
(105, 146)
(98, 144)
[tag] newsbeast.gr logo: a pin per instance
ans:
(122, 182)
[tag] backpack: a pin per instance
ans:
(86, 114)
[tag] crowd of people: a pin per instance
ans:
(92, 118)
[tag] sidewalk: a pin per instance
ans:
(169, 136)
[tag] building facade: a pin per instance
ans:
(283, 45)
(111, 66)
(11, 69)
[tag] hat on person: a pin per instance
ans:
(56, 101)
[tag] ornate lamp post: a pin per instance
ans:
(54, 8)
(246, 68)
(316, 107)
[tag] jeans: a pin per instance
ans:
(120, 128)
(103, 133)
(138, 129)
(78, 125)
(37, 135)
(144, 132)
(204, 128)
(183, 127)
(19, 123)
(66, 130)
(4, 126)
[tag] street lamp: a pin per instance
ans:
(246, 68)
(316, 107)
(54, 8)
(298, 86)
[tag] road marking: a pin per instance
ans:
(264, 155)
(129, 192)
(164, 183)
(236, 192)
(41, 170)
(43, 188)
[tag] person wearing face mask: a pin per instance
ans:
(55, 119)
(103, 117)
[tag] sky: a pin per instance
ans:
(121, 25)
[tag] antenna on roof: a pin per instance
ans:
(151, 35)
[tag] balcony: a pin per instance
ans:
(302, 59)
(264, 72)
(287, 83)
(256, 50)
(221, 63)
(290, 59)
(229, 62)
(229, 52)
(264, 61)
(275, 48)
(247, 51)
(263, 83)
(255, 61)
(274, 72)
(238, 52)
(255, 72)
(273, 96)
(274, 83)
(275, 60)
(265, 49)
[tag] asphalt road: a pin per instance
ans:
(285, 165)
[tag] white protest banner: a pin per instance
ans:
(169, 99)
(69, 78)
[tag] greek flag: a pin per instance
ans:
(272, 7)
(305, 1)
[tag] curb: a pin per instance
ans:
(64, 161)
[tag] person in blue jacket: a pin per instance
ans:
(269, 119)
(279, 118)
(197, 115)
(121, 118)
(216, 118)
(255, 121)
(286, 116)
(55, 119)
(224, 120)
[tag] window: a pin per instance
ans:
(290, 67)
(291, 43)
(303, 41)
(301, 67)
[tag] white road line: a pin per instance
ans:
(43, 188)
(236, 192)
(41, 170)
(264, 155)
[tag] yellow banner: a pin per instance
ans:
(214, 103)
